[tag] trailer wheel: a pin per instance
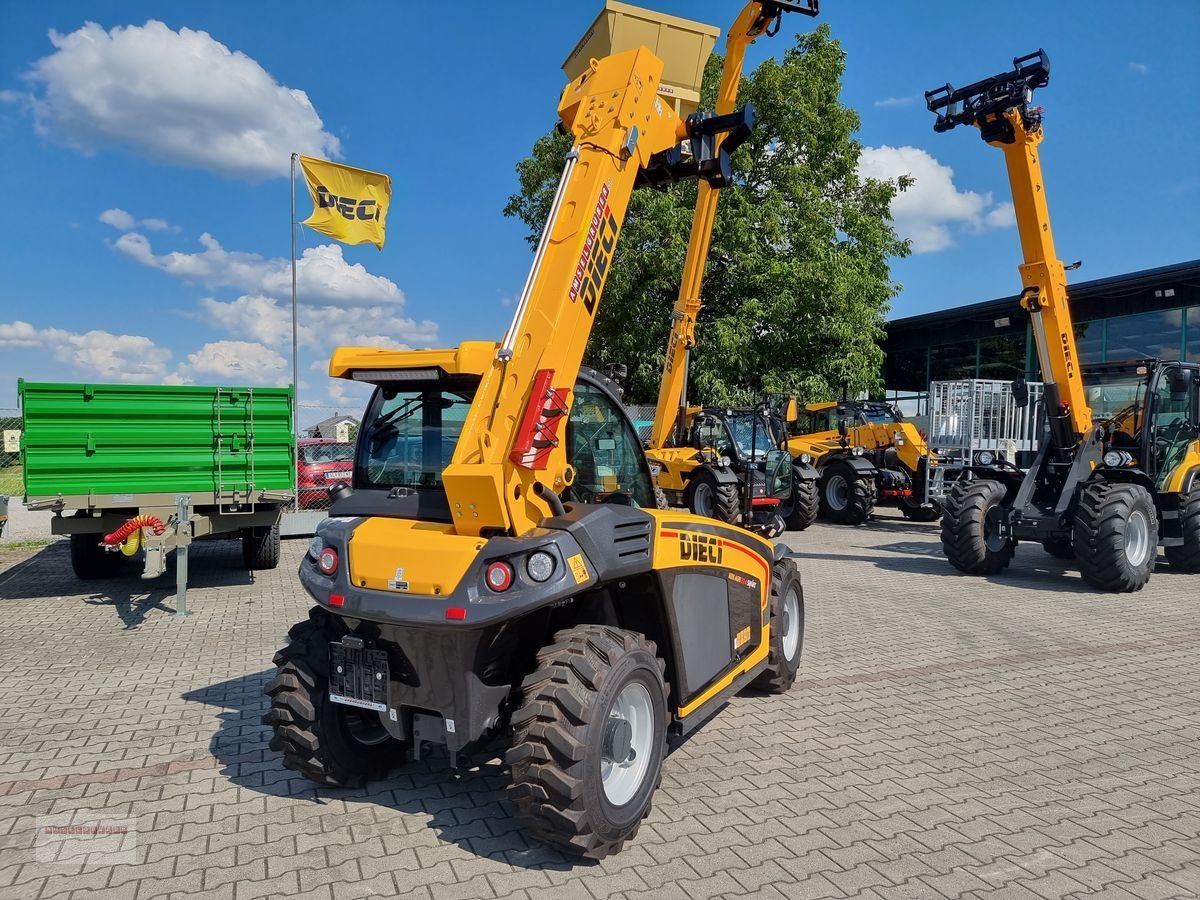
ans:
(1116, 536)
(787, 629)
(913, 509)
(90, 560)
(1059, 547)
(711, 498)
(972, 528)
(1186, 556)
(589, 739)
(846, 497)
(327, 742)
(805, 504)
(260, 547)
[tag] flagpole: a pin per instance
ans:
(295, 341)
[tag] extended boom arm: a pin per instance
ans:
(1000, 107)
(755, 19)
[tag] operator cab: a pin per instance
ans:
(743, 440)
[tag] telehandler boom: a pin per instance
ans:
(716, 484)
(498, 573)
(1119, 471)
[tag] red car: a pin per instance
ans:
(321, 463)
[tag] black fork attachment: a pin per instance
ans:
(985, 102)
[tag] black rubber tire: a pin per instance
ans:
(260, 547)
(1186, 556)
(913, 510)
(726, 503)
(558, 732)
(316, 736)
(860, 500)
(781, 670)
(805, 504)
(964, 528)
(90, 560)
(1101, 520)
(660, 498)
(1059, 548)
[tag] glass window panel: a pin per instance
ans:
(952, 361)
(906, 370)
(1002, 357)
(1155, 334)
(1089, 341)
(1193, 334)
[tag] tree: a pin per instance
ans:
(797, 283)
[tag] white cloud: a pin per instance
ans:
(123, 221)
(323, 275)
(928, 211)
(113, 357)
(235, 362)
(892, 102)
(1138, 68)
(178, 97)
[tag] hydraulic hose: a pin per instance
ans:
(132, 525)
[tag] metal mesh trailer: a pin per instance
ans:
(973, 417)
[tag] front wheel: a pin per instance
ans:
(713, 499)
(1186, 556)
(975, 534)
(913, 509)
(787, 630)
(804, 505)
(1116, 536)
(846, 497)
(589, 739)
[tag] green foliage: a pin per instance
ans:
(797, 283)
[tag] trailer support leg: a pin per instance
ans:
(183, 538)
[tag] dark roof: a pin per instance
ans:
(1132, 281)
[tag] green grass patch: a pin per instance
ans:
(12, 482)
(28, 544)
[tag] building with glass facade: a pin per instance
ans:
(1155, 312)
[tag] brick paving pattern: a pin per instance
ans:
(949, 737)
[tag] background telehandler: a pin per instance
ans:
(685, 451)
(497, 572)
(865, 453)
(1118, 472)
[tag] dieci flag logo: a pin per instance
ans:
(349, 204)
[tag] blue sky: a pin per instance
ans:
(189, 140)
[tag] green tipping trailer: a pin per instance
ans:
(203, 461)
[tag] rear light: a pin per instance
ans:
(456, 613)
(336, 600)
(327, 562)
(499, 576)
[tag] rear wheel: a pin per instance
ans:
(712, 498)
(260, 547)
(975, 535)
(90, 560)
(589, 739)
(1059, 547)
(912, 508)
(787, 629)
(328, 742)
(1116, 536)
(846, 497)
(1186, 556)
(805, 503)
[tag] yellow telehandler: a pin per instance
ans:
(1118, 470)
(497, 573)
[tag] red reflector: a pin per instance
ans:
(456, 612)
(336, 600)
(765, 501)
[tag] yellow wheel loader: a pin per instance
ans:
(497, 574)
(864, 453)
(1118, 470)
(707, 458)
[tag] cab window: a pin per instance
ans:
(605, 452)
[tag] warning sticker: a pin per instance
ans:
(578, 568)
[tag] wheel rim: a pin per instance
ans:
(994, 537)
(628, 741)
(1137, 538)
(791, 624)
(837, 492)
(702, 499)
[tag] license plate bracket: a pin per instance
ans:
(358, 677)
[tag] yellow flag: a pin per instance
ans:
(349, 204)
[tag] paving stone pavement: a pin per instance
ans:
(1017, 737)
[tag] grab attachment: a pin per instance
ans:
(985, 102)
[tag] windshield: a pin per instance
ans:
(1119, 397)
(878, 414)
(751, 430)
(313, 454)
(410, 436)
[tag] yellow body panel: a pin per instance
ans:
(434, 558)
(469, 358)
(673, 464)
(1191, 459)
(903, 436)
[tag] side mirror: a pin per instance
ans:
(843, 428)
(791, 412)
(1020, 391)
(1181, 385)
